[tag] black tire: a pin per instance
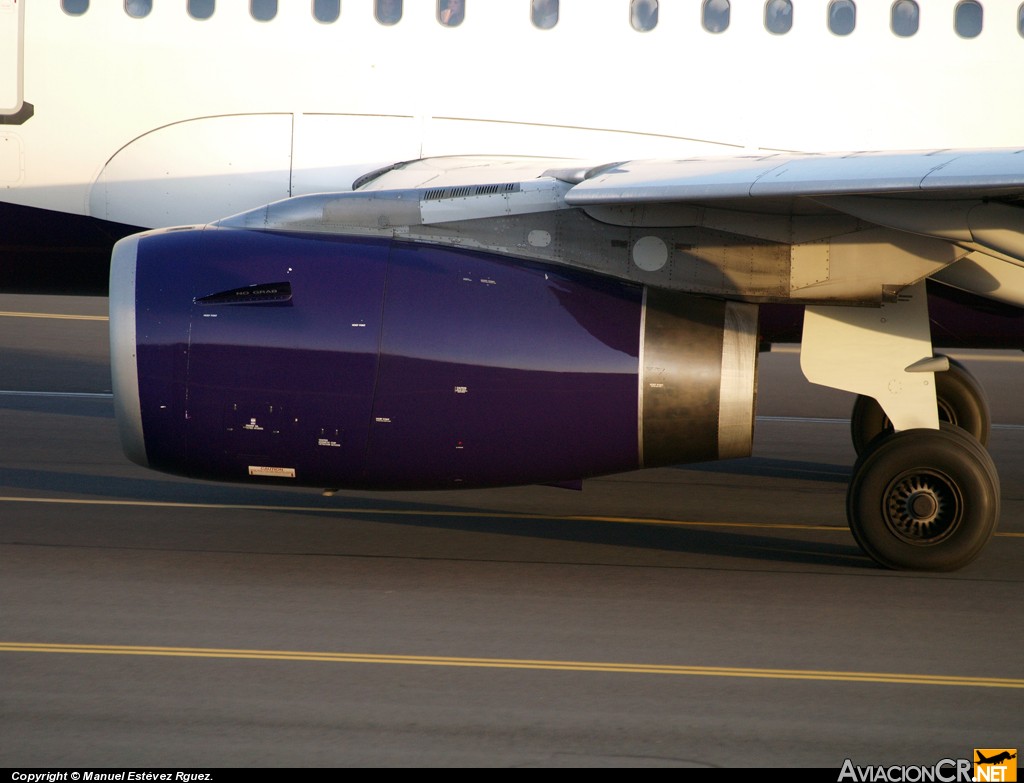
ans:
(868, 422)
(962, 401)
(924, 500)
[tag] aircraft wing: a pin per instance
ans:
(938, 173)
(848, 228)
(971, 200)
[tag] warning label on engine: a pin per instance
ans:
(261, 470)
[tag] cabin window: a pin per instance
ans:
(200, 9)
(137, 9)
(263, 10)
(450, 13)
(544, 13)
(905, 18)
(388, 11)
(715, 15)
(778, 16)
(643, 14)
(74, 7)
(968, 18)
(326, 11)
(1020, 21)
(842, 17)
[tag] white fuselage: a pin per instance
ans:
(167, 119)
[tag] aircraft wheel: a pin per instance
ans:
(925, 500)
(962, 401)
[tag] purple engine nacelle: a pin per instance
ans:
(371, 363)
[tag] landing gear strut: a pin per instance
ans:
(961, 401)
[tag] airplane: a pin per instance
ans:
(996, 759)
(392, 245)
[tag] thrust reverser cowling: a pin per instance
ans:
(353, 362)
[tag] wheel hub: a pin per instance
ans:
(922, 507)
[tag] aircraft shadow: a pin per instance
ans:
(734, 544)
(771, 467)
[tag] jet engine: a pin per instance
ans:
(372, 362)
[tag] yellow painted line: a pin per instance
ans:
(400, 512)
(58, 316)
(421, 513)
(515, 663)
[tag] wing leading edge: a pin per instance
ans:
(937, 173)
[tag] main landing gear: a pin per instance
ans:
(923, 498)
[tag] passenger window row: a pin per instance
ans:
(904, 15)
